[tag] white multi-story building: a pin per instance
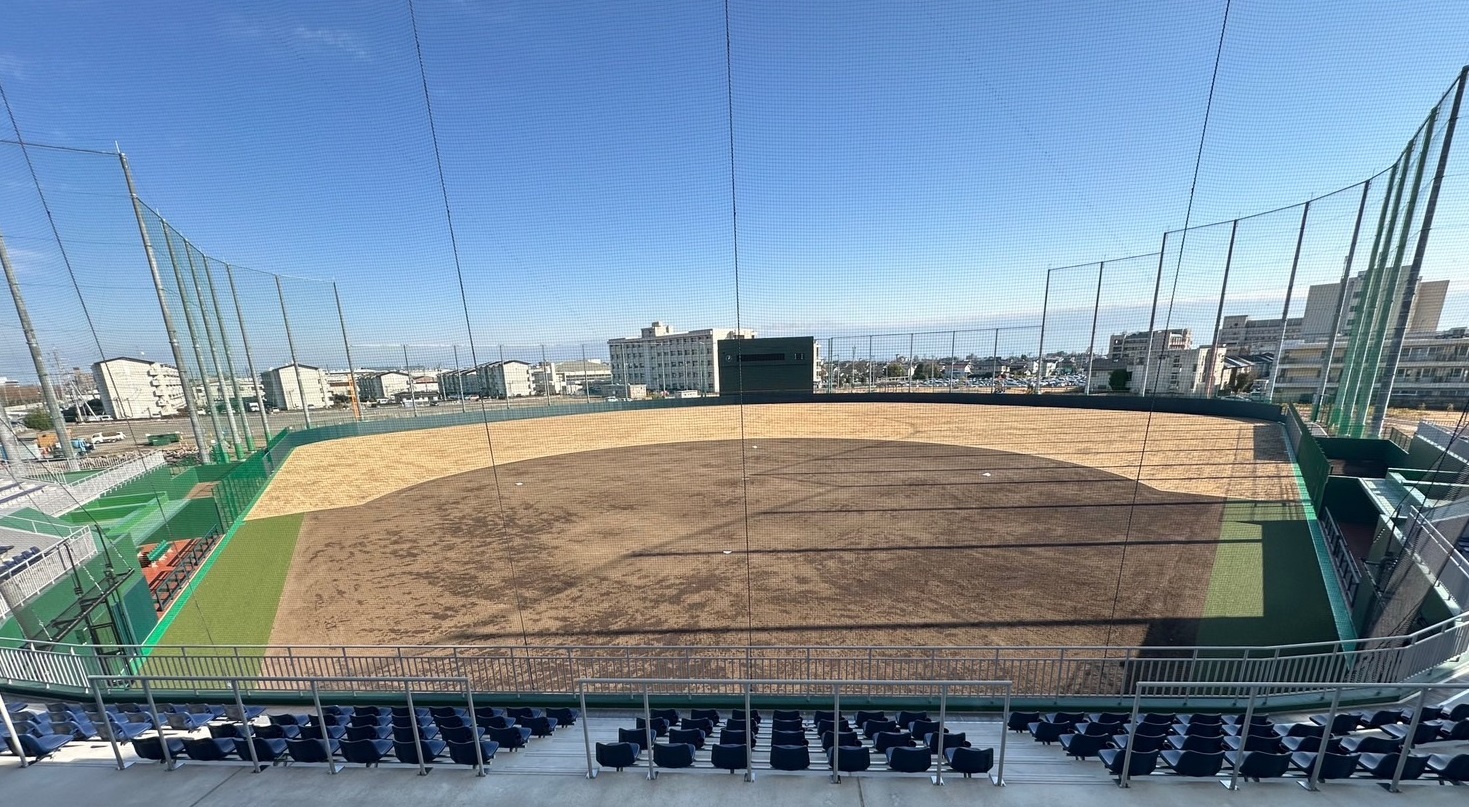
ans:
(383, 386)
(1240, 335)
(280, 390)
(1180, 372)
(1134, 348)
(138, 388)
(496, 379)
(661, 359)
(1433, 369)
(1322, 298)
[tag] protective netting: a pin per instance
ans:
(570, 245)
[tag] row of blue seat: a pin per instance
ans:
(1204, 744)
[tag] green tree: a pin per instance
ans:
(1118, 379)
(38, 419)
(897, 370)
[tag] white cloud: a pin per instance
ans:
(11, 66)
(344, 41)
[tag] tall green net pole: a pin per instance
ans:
(209, 339)
(1415, 268)
(169, 236)
(1351, 372)
(1343, 300)
(229, 363)
(1391, 289)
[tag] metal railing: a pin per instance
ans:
(1445, 439)
(238, 685)
(59, 499)
(1348, 571)
(1254, 699)
(1039, 673)
(20, 585)
(746, 687)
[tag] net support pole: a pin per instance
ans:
(1410, 289)
(352, 369)
(1152, 316)
(1209, 387)
(871, 368)
(504, 378)
(995, 374)
(43, 374)
(229, 360)
(953, 359)
(1040, 348)
(1290, 288)
(295, 364)
(1351, 370)
(255, 380)
(548, 375)
(168, 324)
(586, 381)
(412, 385)
(1091, 345)
(1388, 269)
(1343, 300)
(229, 412)
(193, 336)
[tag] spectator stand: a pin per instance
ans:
(1254, 696)
(749, 688)
(99, 683)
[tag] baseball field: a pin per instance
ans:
(791, 524)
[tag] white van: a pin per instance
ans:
(106, 437)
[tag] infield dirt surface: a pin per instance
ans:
(836, 525)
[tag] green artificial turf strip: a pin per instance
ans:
(1266, 585)
(236, 601)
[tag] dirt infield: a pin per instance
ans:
(850, 542)
(1208, 456)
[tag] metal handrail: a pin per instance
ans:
(1335, 687)
(748, 686)
(97, 682)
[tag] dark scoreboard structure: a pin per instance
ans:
(784, 364)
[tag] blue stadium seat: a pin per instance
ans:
(618, 755)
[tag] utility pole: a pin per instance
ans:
(48, 394)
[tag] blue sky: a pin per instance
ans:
(899, 166)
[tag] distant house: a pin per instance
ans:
(496, 379)
(281, 390)
(382, 386)
(138, 388)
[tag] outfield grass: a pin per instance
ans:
(1266, 586)
(236, 600)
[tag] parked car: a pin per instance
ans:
(107, 437)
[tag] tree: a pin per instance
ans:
(1242, 381)
(897, 370)
(38, 419)
(1118, 379)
